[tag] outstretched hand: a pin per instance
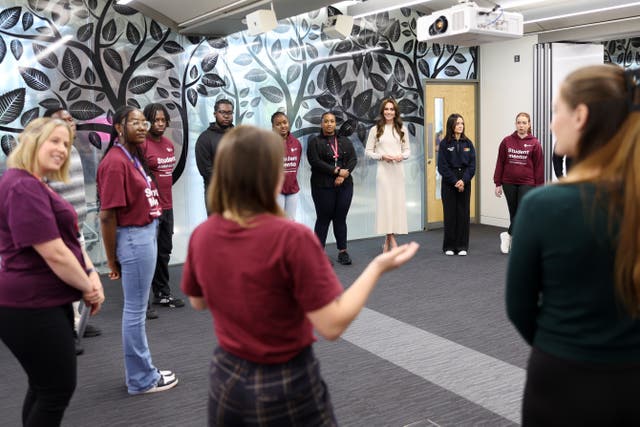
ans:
(396, 257)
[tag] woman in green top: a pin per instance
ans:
(573, 279)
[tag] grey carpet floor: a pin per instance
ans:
(454, 300)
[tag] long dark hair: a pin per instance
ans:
(451, 125)
(397, 120)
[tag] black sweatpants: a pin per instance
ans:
(514, 194)
(332, 205)
(42, 341)
(160, 282)
(561, 392)
(456, 207)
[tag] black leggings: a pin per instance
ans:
(562, 392)
(332, 205)
(514, 194)
(42, 341)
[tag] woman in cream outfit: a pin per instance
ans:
(388, 143)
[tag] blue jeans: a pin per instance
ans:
(289, 204)
(136, 251)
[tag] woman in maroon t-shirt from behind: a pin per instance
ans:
(44, 270)
(267, 283)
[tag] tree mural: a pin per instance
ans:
(306, 74)
(116, 57)
(93, 56)
(624, 52)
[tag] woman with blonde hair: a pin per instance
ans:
(388, 143)
(44, 270)
(573, 279)
(266, 303)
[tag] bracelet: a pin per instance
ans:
(90, 270)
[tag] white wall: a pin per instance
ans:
(505, 90)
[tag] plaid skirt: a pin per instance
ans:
(243, 393)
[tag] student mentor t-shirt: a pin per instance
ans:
(161, 159)
(291, 159)
(31, 213)
(259, 282)
(122, 187)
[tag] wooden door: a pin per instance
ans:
(441, 100)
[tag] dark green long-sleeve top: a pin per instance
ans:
(560, 287)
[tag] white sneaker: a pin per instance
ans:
(505, 242)
(164, 383)
(449, 253)
(462, 253)
(167, 374)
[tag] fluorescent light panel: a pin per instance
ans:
(585, 12)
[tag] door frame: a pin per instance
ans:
(474, 138)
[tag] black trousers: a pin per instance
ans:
(561, 392)
(332, 205)
(42, 341)
(514, 194)
(456, 206)
(160, 282)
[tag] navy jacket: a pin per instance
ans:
(454, 158)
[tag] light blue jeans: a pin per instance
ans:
(289, 204)
(137, 251)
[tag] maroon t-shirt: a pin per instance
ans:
(292, 153)
(123, 187)
(259, 281)
(32, 213)
(161, 158)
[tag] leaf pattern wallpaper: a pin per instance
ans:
(93, 56)
(624, 52)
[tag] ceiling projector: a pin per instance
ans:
(469, 25)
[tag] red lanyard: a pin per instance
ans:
(334, 148)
